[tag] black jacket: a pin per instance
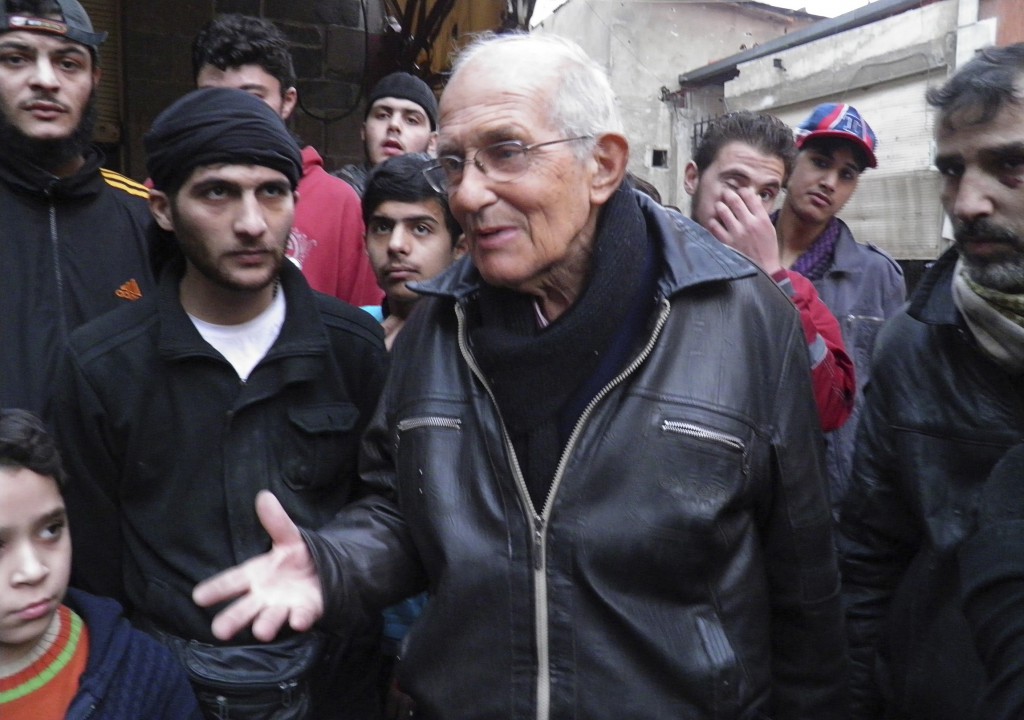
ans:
(683, 564)
(937, 416)
(129, 675)
(70, 249)
(167, 448)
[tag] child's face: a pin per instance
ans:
(35, 558)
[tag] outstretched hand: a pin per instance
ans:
(277, 587)
(742, 222)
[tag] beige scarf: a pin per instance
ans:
(993, 318)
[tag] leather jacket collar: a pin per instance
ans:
(691, 257)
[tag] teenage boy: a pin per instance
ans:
(401, 117)
(410, 233)
(251, 54)
(738, 170)
(859, 283)
(65, 653)
(241, 379)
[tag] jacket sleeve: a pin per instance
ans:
(365, 556)
(878, 536)
(992, 573)
(894, 292)
(832, 372)
(992, 584)
(809, 661)
(91, 494)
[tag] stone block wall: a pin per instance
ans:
(333, 44)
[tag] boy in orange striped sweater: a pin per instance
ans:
(64, 653)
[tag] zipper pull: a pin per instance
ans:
(538, 540)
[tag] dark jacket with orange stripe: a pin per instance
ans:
(70, 250)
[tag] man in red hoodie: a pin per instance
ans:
(738, 170)
(326, 242)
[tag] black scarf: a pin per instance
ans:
(543, 378)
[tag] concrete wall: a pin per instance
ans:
(327, 42)
(884, 70)
(645, 45)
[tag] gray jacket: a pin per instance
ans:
(863, 288)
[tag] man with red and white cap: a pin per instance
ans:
(859, 283)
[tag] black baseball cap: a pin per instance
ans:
(74, 25)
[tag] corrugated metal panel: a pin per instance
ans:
(106, 15)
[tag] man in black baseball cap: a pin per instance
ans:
(72, 243)
(401, 117)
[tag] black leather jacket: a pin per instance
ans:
(937, 416)
(682, 565)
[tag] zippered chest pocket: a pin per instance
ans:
(703, 466)
(429, 460)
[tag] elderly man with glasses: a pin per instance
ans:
(597, 448)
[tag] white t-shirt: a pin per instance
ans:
(245, 344)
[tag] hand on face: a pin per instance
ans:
(742, 222)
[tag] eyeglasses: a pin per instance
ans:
(501, 162)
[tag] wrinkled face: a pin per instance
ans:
(736, 166)
(45, 84)
(254, 80)
(232, 222)
(535, 233)
(35, 558)
(408, 242)
(395, 126)
(983, 194)
(821, 184)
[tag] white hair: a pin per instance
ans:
(582, 99)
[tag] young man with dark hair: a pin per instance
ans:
(738, 170)
(859, 283)
(252, 54)
(73, 242)
(946, 404)
(401, 117)
(241, 379)
(65, 653)
(411, 234)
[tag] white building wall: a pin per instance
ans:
(645, 44)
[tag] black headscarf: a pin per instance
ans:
(218, 125)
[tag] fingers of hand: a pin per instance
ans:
(269, 621)
(221, 587)
(235, 617)
(275, 520)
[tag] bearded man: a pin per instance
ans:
(73, 241)
(946, 401)
(232, 377)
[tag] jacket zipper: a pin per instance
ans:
(57, 273)
(430, 421)
(539, 522)
(702, 433)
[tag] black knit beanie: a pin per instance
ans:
(407, 87)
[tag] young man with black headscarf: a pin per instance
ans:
(233, 377)
(72, 241)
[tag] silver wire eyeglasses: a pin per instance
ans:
(501, 162)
